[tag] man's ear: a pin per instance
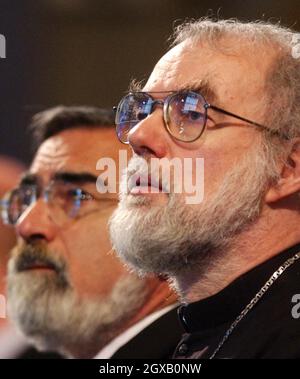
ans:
(289, 182)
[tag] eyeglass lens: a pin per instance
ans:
(184, 114)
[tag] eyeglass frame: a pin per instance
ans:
(166, 102)
(38, 193)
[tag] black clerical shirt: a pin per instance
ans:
(271, 329)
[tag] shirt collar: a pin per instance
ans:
(130, 333)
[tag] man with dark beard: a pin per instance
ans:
(234, 255)
(67, 291)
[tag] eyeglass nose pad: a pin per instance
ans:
(34, 197)
(155, 103)
(76, 203)
(46, 195)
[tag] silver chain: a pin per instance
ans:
(256, 299)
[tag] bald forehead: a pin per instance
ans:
(230, 68)
(169, 66)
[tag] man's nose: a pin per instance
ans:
(149, 137)
(36, 223)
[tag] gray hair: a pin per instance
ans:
(283, 78)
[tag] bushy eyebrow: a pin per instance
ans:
(28, 179)
(66, 176)
(135, 86)
(75, 177)
(203, 86)
(199, 86)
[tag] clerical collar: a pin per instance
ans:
(224, 306)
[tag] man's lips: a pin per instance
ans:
(144, 185)
(36, 265)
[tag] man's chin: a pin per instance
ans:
(32, 297)
(39, 282)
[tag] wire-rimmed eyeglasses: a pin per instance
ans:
(184, 114)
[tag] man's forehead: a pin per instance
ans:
(227, 73)
(51, 154)
(75, 150)
(168, 69)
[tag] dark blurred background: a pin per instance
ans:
(86, 51)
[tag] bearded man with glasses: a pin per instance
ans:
(67, 290)
(226, 92)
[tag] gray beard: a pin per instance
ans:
(50, 314)
(178, 238)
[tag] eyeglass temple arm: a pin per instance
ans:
(276, 132)
(236, 116)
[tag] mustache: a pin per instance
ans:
(27, 256)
